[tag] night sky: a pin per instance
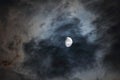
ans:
(33, 35)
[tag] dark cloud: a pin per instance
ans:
(80, 54)
(10, 75)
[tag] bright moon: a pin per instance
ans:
(68, 42)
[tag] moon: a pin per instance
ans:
(68, 42)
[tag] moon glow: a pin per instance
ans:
(68, 42)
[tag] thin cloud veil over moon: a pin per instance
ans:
(59, 40)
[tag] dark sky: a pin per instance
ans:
(33, 33)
